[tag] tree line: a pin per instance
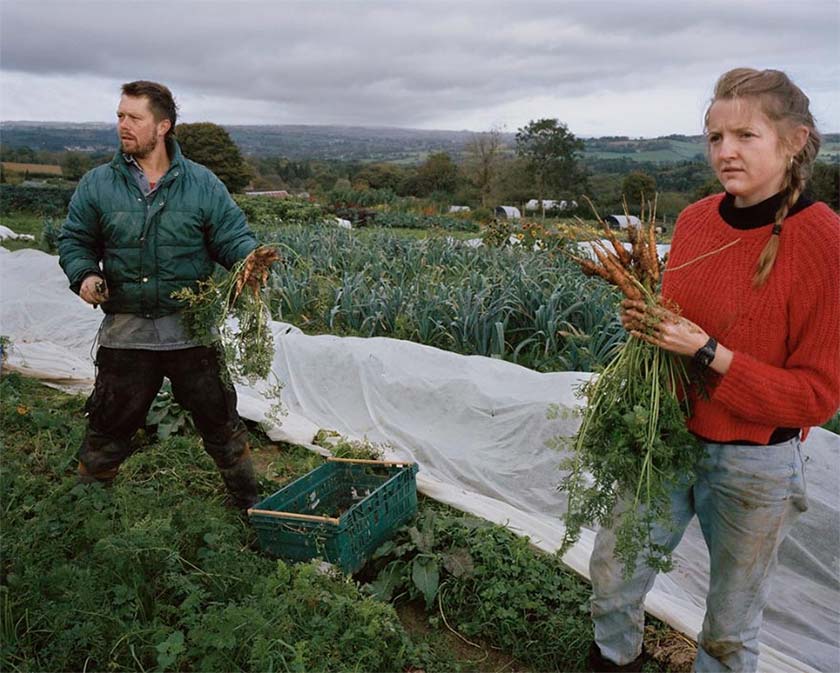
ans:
(546, 161)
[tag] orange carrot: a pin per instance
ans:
(590, 268)
(654, 256)
(619, 276)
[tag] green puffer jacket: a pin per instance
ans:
(149, 250)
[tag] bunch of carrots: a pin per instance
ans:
(254, 270)
(247, 349)
(636, 272)
(633, 446)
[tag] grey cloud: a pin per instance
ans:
(401, 63)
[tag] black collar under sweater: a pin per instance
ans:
(759, 215)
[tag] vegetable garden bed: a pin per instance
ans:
(155, 574)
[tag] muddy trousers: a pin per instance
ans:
(746, 498)
(127, 382)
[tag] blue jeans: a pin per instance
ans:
(746, 498)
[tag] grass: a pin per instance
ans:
(186, 588)
(23, 223)
(833, 423)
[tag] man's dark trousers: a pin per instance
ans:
(127, 382)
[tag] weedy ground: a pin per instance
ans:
(155, 573)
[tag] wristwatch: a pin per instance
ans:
(704, 356)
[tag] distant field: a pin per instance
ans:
(32, 169)
(830, 150)
(677, 150)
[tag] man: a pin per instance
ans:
(149, 223)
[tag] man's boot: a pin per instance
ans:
(600, 664)
(241, 483)
(105, 477)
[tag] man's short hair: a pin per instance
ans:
(161, 101)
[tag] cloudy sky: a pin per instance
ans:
(605, 67)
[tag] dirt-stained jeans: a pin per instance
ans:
(126, 384)
(746, 498)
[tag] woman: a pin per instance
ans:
(755, 274)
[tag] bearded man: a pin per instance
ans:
(138, 229)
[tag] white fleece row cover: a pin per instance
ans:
(477, 427)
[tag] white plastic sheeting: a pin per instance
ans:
(586, 247)
(477, 427)
(6, 233)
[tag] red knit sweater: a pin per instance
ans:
(785, 335)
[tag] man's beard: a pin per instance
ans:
(143, 150)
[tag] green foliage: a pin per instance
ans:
(711, 186)
(353, 198)
(484, 582)
(211, 145)
(438, 173)
(552, 153)
(634, 443)
(515, 182)
(166, 416)
(75, 164)
(49, 235)
(824, 184)
(47, 201)
(247, 348)
(407, 220)
(23, 223)
(265, 213)
(381, 176)
(638, 187)
(530, 307)
(497, 233)
(678, 183)
(833, 424)
(154, 573)
(341, 447)
(279, 172)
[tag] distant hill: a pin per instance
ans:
(59, 136)
(346, 143)
(356, 143)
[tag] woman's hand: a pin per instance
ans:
(661, 327)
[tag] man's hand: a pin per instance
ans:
(255, 272)
(94, 290)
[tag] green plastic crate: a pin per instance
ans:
(340, 512)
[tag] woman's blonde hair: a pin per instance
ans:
(784, 104)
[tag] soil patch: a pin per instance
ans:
(478, 656)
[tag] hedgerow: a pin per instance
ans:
(49, 201)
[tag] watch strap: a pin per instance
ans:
(706, 354)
